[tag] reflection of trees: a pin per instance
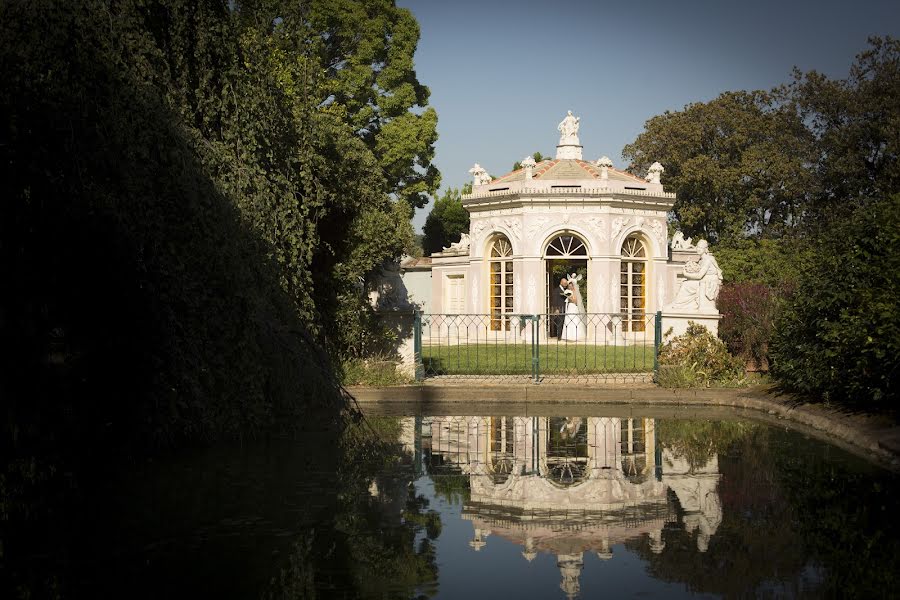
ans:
(795, 521)
(453, 487)
(698, 441)
(380, 542)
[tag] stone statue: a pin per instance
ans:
(480, 175)
(568, 129)
(700, 288)
(461, 246)
(679, 242)
(389, 293)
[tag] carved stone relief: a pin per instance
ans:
(614, 294)
(617, 225)
(515, 227)
(476, 229)
(537, 225)
(598, 226)
(659, 230)
(517, 296)
(660, 292)
(598, 293)
(532, 294)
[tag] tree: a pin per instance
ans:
(738, 164)
(365, 51)
(446, 221)
(856, 123)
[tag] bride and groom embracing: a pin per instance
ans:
(568, 322)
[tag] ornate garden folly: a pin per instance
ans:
(568, 215)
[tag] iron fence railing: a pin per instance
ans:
(538, 347)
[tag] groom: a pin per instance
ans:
(558, 308)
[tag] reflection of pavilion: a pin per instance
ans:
(570, 485)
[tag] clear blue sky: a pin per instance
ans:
(502, 74)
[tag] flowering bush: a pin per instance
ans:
(748, 317)
(697, 358)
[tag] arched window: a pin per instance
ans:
(501, 292)
(633, 284)
(567, 450)
(565, 246)
(503, 444)
(633, 450)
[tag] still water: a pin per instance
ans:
(484, 506)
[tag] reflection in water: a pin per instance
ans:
(434, 506)
(569, 485)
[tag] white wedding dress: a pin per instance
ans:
(572, 325)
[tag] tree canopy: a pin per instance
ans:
(193, 194)
(739, 165)
(447, 220)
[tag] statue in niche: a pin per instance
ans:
(700, 288)
(679, 242)
(568, 129)
(461, 246)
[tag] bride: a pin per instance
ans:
(574, 327)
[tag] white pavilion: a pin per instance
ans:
(570, 215)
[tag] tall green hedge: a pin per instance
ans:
(837, 337)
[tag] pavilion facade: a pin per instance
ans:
(560, 216)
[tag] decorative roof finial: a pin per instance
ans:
(654, 172)
(604, 163)
(479, 175)
(528, 164)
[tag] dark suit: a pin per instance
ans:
(557, 310)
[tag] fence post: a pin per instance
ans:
(417, 345)
(657, 341)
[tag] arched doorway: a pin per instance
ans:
(633, 284)
(565, 254)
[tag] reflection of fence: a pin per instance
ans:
(595, 345)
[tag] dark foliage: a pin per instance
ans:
(838, 335)
(446, 221)
(748, 315)
(186, 214)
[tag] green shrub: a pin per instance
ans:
(697, 358)
(375, 371)
(838, 335)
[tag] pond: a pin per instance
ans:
(554, 504)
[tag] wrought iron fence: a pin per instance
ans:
(538, 347)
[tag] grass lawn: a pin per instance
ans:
(515, 359)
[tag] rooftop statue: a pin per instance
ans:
(568, 129)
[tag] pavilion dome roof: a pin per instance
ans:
(573, 169)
